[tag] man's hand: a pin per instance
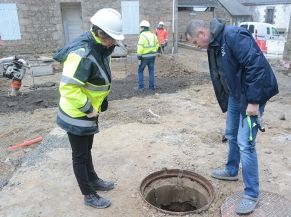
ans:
(93, 114)
(252, 109)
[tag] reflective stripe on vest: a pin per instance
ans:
(148, 42)
(67, 80)
(104, 75)
(149, 55)
(87, 106)
(93, 87)
(76, 122)
(148, 45)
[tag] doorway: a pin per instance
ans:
(72, 21)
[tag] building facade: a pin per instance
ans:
(44, 26)
(276, 12)
(232, 12)
(287, 48)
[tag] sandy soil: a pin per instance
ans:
(186, 134)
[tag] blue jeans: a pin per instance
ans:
(241, 149)
(150, 62)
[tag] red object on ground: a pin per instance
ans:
(26, 143)
(262, 45)
(15, 84)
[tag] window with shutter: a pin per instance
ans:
(130, 17)
(270, 15)
(9, 25)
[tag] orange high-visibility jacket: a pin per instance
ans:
(162, 35)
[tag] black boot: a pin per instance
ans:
(96, 201)
(101, 185)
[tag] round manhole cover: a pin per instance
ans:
(177, 191)
(270, 205)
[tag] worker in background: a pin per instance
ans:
(147, 47)
(162, 35)
(243, 82)
(84, 87)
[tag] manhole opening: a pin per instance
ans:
(177, 191)
(176, 198)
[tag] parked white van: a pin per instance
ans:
(261, 30)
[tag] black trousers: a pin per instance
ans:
(82, 161)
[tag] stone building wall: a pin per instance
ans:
(185, 17)
(287, 48)
(42, 30)
(155, 11)
(37, 28)
(223, 14)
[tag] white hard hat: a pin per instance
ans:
(144, 23)
(161, 23)
(109, 20)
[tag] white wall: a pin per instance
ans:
(282, 15)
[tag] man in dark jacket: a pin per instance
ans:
(243, 82)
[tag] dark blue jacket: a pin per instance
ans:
(238, 68)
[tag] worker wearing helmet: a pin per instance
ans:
(162, 35)
(84, 87)
(147, 47)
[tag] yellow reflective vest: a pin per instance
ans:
(147, 45)
(85, 83)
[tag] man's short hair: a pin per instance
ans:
(194, 26)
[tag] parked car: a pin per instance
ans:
(261, 30)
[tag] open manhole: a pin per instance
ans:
(177, 191)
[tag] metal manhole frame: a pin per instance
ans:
(169, 173)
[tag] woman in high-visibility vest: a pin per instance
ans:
(84, 87)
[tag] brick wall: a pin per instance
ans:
(42, 30)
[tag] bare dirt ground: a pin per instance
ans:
(185, 134)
